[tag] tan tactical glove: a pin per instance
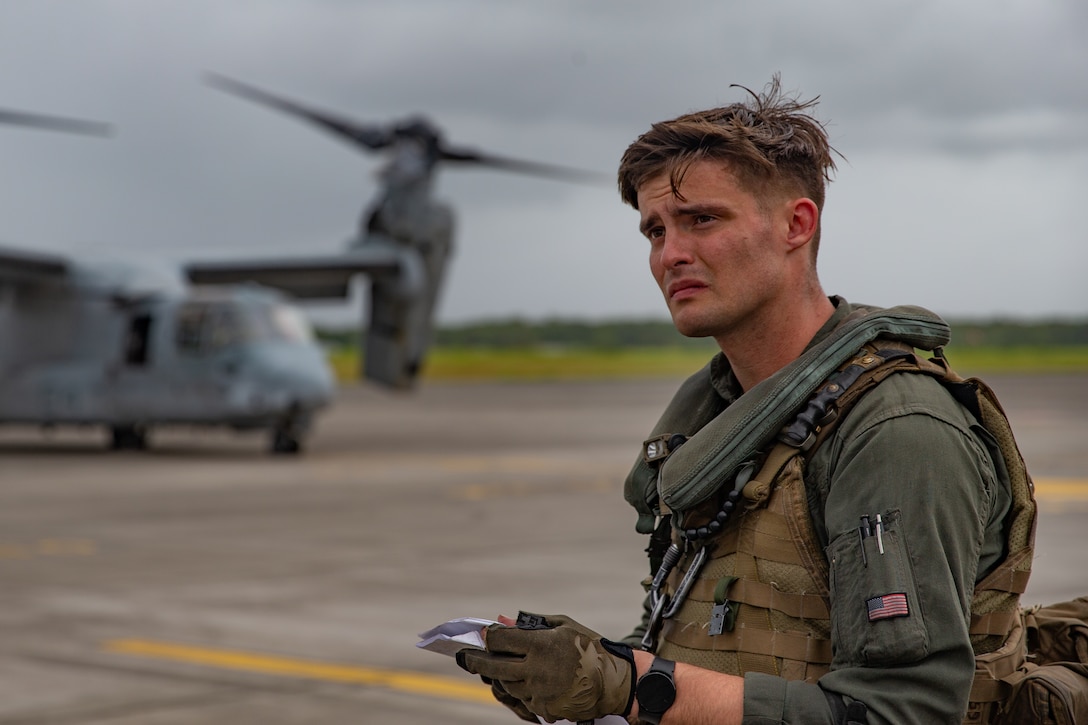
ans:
(511, 702)
(556, 668)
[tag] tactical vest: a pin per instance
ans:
(755, 594)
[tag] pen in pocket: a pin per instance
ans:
(879, 535)
(864, 532)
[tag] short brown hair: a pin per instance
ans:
(770, 142)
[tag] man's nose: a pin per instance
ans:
(675, 249)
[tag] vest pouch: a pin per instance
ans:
(1055, 689)
(876, 594)
(1051, 687)
(1058, 632)
(1054, 694)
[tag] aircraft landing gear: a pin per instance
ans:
(128, 438)
(284, 441)
(287, 434)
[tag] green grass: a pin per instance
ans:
(1025, 359)
(666, 362)
(544, 364)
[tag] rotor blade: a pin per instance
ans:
(535, 168)
(54, 123)
(377, 137)
(370, 137)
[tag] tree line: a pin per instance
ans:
(615, 334)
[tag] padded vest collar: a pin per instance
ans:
(723, 438)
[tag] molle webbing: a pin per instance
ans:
(755, 641)
(771, 556)
(777, 587)
(767, 596)
(721, 441)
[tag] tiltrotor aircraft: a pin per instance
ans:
(403, 242)
(91, 344)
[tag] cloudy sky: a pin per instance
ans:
(964, 126)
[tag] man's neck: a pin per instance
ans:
(774, 340)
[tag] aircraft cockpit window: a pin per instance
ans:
(290, 324)
(225, 328)
(190, 327)
(203, 328)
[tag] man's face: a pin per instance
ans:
(717, 255)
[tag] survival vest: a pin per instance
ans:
(733, 619)
(714, 604)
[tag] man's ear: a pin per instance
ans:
(804, 216)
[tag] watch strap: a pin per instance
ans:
(660, 668)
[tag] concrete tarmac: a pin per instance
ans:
(204, 581)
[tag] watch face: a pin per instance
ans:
(656, 692)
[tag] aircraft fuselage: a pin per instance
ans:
(236, 357)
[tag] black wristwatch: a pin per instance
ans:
(656, 691)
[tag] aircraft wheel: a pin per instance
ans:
(285, 441)
(128, 438)
(288, 432)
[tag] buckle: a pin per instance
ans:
(660, 447)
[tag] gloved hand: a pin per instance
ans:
(511, 702)
(556, 668)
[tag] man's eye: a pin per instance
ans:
(703, 219)
(655, 233)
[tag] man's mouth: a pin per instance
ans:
(683, 289)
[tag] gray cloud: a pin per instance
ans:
(961, 123)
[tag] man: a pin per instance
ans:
(841, 571)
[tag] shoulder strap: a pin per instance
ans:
(825, 409)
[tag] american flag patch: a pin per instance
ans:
(887, 606)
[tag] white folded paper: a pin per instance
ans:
(457, 634)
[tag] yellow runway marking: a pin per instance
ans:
(66, 547)
(13, 551)
(1061, 489)
(416, 683)
(47, 547)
